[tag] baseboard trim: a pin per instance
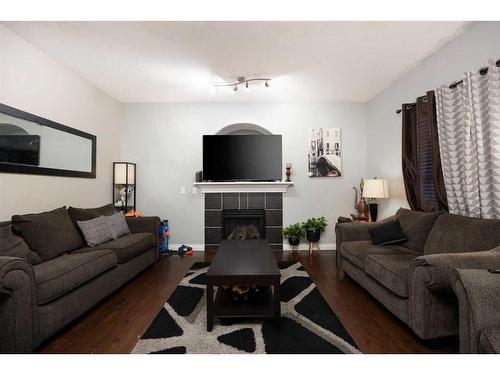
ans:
(286, 246)
(305, 246)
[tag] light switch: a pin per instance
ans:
(194, 190)
(183, 190)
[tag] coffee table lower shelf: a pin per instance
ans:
(265, 304)
(260, 305)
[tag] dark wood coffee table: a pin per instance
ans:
(243, 262)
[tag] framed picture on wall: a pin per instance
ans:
(325, 152)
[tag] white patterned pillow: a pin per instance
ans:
(95, 231)
(118, 225)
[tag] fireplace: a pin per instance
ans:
(243, 224)
(257, 214)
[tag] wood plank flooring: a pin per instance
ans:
(115, 325)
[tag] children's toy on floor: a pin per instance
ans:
(183, 250)
(163, 238)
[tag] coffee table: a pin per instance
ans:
(243, 262)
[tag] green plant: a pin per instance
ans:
(315, 224)
(293, 231)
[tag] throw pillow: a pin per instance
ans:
(389, 233)
(118, 225)
(49, 234)
(14, 246)
(96, 231)
(84, 214)
(417, 226)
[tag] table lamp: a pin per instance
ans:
(375, 188)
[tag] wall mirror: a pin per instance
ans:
(34, 145)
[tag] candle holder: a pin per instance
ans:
(288, 172)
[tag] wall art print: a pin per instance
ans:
(325, 152)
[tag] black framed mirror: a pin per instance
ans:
(31, 144)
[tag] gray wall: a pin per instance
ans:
(165, 140)
(469, 51)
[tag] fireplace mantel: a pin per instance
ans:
(243, 187)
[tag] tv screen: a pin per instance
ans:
(20, 149)
(242, 157)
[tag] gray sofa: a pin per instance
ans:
(412, 279)
(478, 293)
(41, 292)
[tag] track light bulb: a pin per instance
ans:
(267, 83)
(247, 89)
(235, 88)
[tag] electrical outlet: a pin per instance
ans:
(194, 190)
(183, 190)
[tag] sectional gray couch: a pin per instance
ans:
(36, 301)
(412, 279)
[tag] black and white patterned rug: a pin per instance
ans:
(308, 324)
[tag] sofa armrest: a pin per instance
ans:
(438, 267)
(478, 293)
(145, 224)
(18, 306)
(355, 231)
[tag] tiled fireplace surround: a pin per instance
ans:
(271, 203)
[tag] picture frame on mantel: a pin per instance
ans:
(324, 158)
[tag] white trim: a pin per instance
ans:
(243, 187)
(286, 246)
(305, 246)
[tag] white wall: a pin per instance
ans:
(469, 51)
(166, 142)
(33, 82)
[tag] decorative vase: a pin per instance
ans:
(313, 235)
(293, 241)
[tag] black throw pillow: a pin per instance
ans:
(389, 233)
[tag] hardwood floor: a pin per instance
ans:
(115, 325)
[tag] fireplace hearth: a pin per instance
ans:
(243, 216)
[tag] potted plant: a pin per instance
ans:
(313, 228)
(293, 233)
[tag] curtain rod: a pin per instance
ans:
(482, 71)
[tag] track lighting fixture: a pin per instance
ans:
(241, 81)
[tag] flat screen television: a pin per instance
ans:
(20, 149)
(242, 158)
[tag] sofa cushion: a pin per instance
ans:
(84, 214)
(387, 233)
(126, 247)
(118, 225)
(95, 231)
(417, 226)
(489, 341)
(14, 246)
(357, 251)
(391, 271)
(60, 275)
(460, 234)
(49, 234)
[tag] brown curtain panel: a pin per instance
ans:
(421, 160)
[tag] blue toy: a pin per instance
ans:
(163, 237)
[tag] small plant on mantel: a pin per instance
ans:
(293, 233)
(313, 228)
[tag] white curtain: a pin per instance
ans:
(468, 118)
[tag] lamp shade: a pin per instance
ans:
(376, 188)
(121, 176)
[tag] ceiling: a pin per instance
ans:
(179, 61)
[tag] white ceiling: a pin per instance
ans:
(178, 61)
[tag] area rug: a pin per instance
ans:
(308, 324)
